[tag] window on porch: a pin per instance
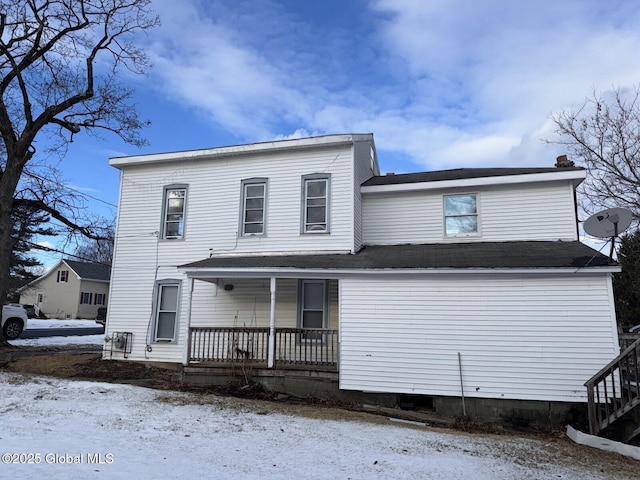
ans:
(313, 303)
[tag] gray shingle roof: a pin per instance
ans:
(490, 255)
(90, 271)
(459, 174)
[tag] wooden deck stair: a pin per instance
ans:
(614, 395)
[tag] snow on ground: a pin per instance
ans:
(60, 429)
(37, 323)
(71, 340)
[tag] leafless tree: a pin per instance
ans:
(603, 134)
(59, 67)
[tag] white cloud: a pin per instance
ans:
(46, 245)
(446, 84)
(511, 63)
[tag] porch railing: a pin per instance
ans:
(293, 346)
(614, 390)
(228, 344)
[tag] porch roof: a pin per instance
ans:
(479, 255)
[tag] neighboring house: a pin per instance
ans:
(69, 290)
(428, 288)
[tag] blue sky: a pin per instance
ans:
(440, 83)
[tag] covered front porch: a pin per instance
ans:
(263, 322)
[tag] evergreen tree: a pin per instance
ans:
(626, 284)
(27, 223)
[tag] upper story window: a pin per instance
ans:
(254, 203)
(461, 214)
(315, 203)
(174, 207)
(63, 275)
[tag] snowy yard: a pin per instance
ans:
(61, 429)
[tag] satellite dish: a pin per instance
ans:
(608, 223)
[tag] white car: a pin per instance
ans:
(14, 320)
(635, 329)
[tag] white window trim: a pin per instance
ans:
(243, 200)
(477, 233)
(163, 226)
(156, 309)
(303, 204)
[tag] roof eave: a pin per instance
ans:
(208, 273)
(237, 150)
(574, 176)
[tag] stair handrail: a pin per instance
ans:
(595, 424)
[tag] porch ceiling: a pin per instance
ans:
(479, 255)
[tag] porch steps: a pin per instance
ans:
(614, 397)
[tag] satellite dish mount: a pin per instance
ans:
(608, 224)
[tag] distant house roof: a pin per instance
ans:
(460, 174)
(90, 271)
(480, 255)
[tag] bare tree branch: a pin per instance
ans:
(59, 64)
(603, 134)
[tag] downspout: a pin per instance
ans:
(272, 325)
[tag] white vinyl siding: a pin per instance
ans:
(212, 214)
(508, 213)
(536, 338)
(212, 229)
(365, 167)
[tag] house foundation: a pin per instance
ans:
(323, 386)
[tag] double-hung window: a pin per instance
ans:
(166, 311)
(313, 303)
(461, 214)
(85, 298)
(254, 203)
(173, 213)
(315, 203)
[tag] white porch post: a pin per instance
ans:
(272, 326)
(187, 350)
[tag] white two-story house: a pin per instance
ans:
(446, 287)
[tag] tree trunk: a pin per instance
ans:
(8, 183)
